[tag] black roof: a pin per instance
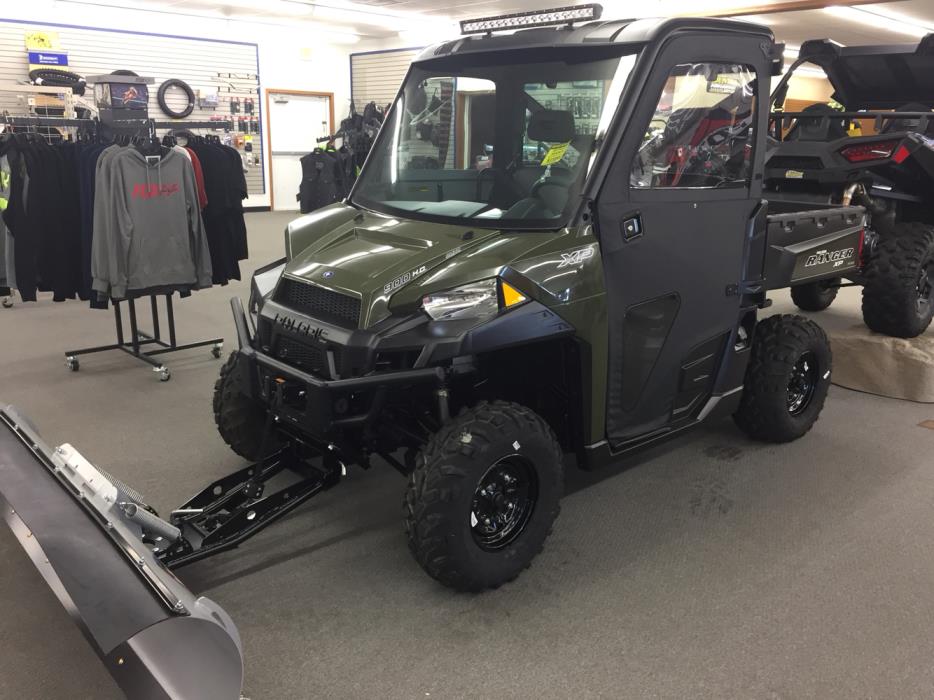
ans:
(641, 31)
(876, 77)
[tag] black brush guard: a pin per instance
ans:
(107, 557)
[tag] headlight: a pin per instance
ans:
(477, 300)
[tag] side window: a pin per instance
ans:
(701, 133)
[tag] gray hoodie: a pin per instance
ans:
(148, 230)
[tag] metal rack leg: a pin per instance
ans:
(170, 313)
(134, 330)
(155, 318)
(138, 338)
(118, 320)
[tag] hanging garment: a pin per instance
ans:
(199, 177)
(321, 181)
(346, 158)
(151, 235)
(88, 156)
(225, 187)
(5, 186)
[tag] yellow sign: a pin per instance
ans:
(555, 153)
(41, 40)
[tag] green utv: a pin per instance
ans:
(558, 245)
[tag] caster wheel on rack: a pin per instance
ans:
(216, 350)
(72, 363)
(163, 372)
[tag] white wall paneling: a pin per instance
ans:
(202, 63)
(375, 76)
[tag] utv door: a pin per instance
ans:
(672, 216)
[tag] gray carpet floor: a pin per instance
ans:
(713, 567)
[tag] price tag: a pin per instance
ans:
(555, 153)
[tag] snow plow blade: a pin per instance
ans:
(84, 532)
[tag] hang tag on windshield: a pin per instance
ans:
(555, 153)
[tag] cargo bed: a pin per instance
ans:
(808, 242)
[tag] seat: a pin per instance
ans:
(548, 195)
(818, 128)
(896, 125)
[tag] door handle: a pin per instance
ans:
(631, 227)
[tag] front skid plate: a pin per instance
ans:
(154, 636)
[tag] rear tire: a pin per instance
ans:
(898, 291)
(483, 496)
(239, 419)
(786, 381)
(815, 296)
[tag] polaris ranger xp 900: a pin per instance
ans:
(558, 245)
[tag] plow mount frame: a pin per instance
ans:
(234, 508)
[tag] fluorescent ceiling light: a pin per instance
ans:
(292, 9)
(807, 71)
(878, 19)
(353, 13)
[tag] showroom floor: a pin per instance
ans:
(714, 567)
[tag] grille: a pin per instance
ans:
(319, 302)
(795, 163)
(304, 357)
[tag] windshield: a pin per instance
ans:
(493, 140)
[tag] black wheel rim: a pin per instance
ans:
(804, 378)
(503, 503)
(925, 287)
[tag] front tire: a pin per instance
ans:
(483, 496)
(786, 381)
(240, 420)
(898, 291)
(815, 296)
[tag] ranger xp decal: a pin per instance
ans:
(837, 257)
(403, 280)
(576, 257)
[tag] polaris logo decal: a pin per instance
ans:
(824, 257)
(576, 257)
(296, 326)
(400, 282)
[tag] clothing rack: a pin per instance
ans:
(138, 339)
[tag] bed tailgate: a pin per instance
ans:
(813, 244)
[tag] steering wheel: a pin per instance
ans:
(504, 199)
(480, 182)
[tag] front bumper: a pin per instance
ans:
(311, 404)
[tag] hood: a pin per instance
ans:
(371, 255)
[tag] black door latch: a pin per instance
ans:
(631, 227)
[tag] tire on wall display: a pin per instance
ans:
(54, 77)
(184, 87)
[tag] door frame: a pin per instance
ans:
(270, 125)
(653, 70)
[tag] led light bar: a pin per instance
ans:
(543, 18)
